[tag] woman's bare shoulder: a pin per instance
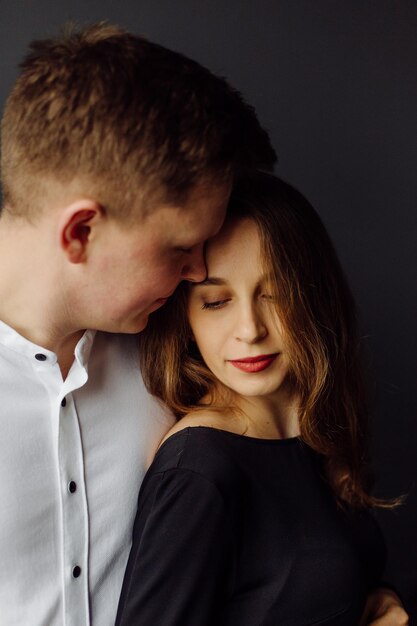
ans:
(211, 418)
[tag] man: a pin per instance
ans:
(117, 162)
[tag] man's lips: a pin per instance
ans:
(158, 303)
(254, 363)
(164, 298)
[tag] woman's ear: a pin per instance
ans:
(75, 228)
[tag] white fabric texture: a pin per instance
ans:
(101, 442)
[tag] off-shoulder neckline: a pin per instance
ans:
(228, 433)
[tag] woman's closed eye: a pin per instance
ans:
(215, 304)
(220, 303)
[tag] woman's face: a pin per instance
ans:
(233, 317)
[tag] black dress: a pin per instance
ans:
(237, 531)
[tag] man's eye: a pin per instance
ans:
(218, 304)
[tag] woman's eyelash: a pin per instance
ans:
(218, 304)
(214, 305)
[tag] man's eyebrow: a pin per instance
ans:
(210, 280)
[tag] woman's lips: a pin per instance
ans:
(254, 364)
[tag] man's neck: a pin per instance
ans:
(62, 346)
(32, 296)
(66, 354)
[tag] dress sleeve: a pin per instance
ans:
(181, 553)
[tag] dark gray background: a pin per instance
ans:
(335, 83)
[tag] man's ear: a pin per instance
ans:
(75, 228)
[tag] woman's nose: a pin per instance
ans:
(250, 326)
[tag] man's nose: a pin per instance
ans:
(194, 269)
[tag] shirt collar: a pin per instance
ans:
(12, 340)
(83, 347)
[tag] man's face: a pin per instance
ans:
(138, 268)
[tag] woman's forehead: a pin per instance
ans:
(233, 236)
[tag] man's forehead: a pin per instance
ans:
(205, 205)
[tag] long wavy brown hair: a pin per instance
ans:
(317, 314)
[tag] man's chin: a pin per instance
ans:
(136, 324)
(143, 318)
(140, 324)
(132, 327)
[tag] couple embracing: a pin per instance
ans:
(191, 456)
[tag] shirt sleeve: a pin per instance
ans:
(181, 554)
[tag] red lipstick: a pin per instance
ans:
(254, 364)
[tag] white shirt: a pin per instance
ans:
(72, 456)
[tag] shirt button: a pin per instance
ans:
(40, 357)
(72, 487)
(76, 571)
(63, 402)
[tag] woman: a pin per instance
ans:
(255, 508)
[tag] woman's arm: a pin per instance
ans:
(177, 569)
(384, 608)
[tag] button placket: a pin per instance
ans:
(74, 513)
(63, 459)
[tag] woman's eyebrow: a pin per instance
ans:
(210, 280)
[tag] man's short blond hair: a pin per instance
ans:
(122, 118)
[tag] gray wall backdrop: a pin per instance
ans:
(334, 81)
